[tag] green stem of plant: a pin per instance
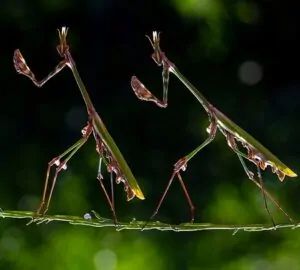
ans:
(97, 221)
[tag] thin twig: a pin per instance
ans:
(94, 220)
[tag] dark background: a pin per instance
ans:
(211, 43)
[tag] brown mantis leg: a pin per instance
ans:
(181, 164)
(250, 175)
(113, 196)
(260, 184)
(100, 179)
(61, 165)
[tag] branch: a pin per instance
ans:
(98, 221)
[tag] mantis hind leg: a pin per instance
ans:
(111, 201)
(258, 183)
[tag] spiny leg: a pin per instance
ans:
(181, 164)
(22, 68)
(144, 94)
(250, 175)
(61, 165)
(159, 58)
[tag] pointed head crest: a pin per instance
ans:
(157, 54)
(63, 47)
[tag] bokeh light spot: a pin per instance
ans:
(10, 244)
(105, 259)
(250, 73)
(248, 12)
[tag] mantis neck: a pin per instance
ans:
(204, 102)
(83, 91)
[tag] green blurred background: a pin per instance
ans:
(243, 56)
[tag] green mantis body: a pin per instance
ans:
(105, 145)
(256, 152)
(262, 155)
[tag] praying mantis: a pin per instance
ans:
(256, 152)
(106, 147)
